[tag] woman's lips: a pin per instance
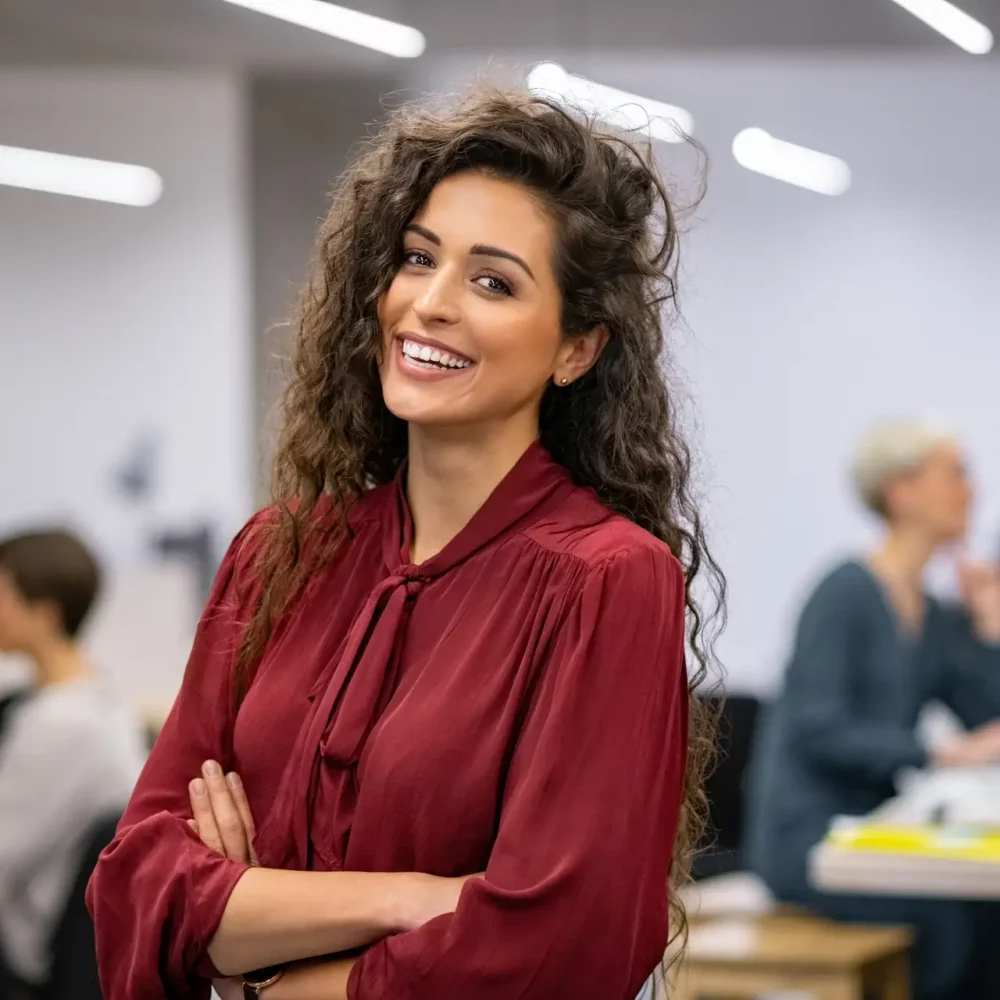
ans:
(420, 360)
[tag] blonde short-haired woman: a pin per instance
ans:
(871, 650)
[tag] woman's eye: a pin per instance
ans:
(495, 284)
(418, 258)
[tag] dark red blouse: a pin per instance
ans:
(516, 704)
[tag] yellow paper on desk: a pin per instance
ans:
(923, 841)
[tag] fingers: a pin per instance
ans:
(228, 821)
(221, 814)
(242, 804)
(204, 817)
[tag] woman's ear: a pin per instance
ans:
(579, 354)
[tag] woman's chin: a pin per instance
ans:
(422, 412)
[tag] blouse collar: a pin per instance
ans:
(535, 485)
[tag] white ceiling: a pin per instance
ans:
(211, 33)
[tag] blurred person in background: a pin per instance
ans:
(457, 643)
(872, 649)
(70, 753)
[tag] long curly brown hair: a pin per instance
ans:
(615, 429)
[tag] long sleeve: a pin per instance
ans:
(971, 669)
(825, 726)
(574, 900)
(158, 893)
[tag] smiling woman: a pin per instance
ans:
(494, 309)
(395, 765)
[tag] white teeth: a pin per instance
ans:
(428, 356)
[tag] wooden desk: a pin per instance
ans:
(746, 957)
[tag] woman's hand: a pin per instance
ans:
(980, 583)
(222, 819)
(975, 749)
(221, 814)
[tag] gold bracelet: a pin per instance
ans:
(254, 983)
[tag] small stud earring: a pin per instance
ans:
(564, 381)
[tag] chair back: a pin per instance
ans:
(738, 719)
(74, 953)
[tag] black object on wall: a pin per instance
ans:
(197, 545)
(722, 853)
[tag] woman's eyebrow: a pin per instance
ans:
(481, 249)
(415, 227)
(478, 249)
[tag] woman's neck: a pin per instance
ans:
(902, 557)
(899, 563)
(59, 662)
(450, 476)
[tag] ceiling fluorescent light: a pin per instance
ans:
(394, 39)
(957, 26)
(79, 177)
(628, 111)
(759, 151)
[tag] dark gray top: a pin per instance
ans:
(844, 724)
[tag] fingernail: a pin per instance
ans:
(211, 769)
(198, 787)
(233, 780)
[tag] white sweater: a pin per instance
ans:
(69, 757)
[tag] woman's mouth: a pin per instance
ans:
(419, 356)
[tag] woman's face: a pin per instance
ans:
(19, 621)
(937, 497)
(471, 322)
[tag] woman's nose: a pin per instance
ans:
(439, 299)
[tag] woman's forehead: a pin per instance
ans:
(476, 208)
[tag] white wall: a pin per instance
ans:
(810, 317)
(116, 321)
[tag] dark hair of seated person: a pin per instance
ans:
(53, 566)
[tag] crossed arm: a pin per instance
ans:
(275, 917)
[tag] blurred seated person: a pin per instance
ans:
(69, 753)
(871, 650)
